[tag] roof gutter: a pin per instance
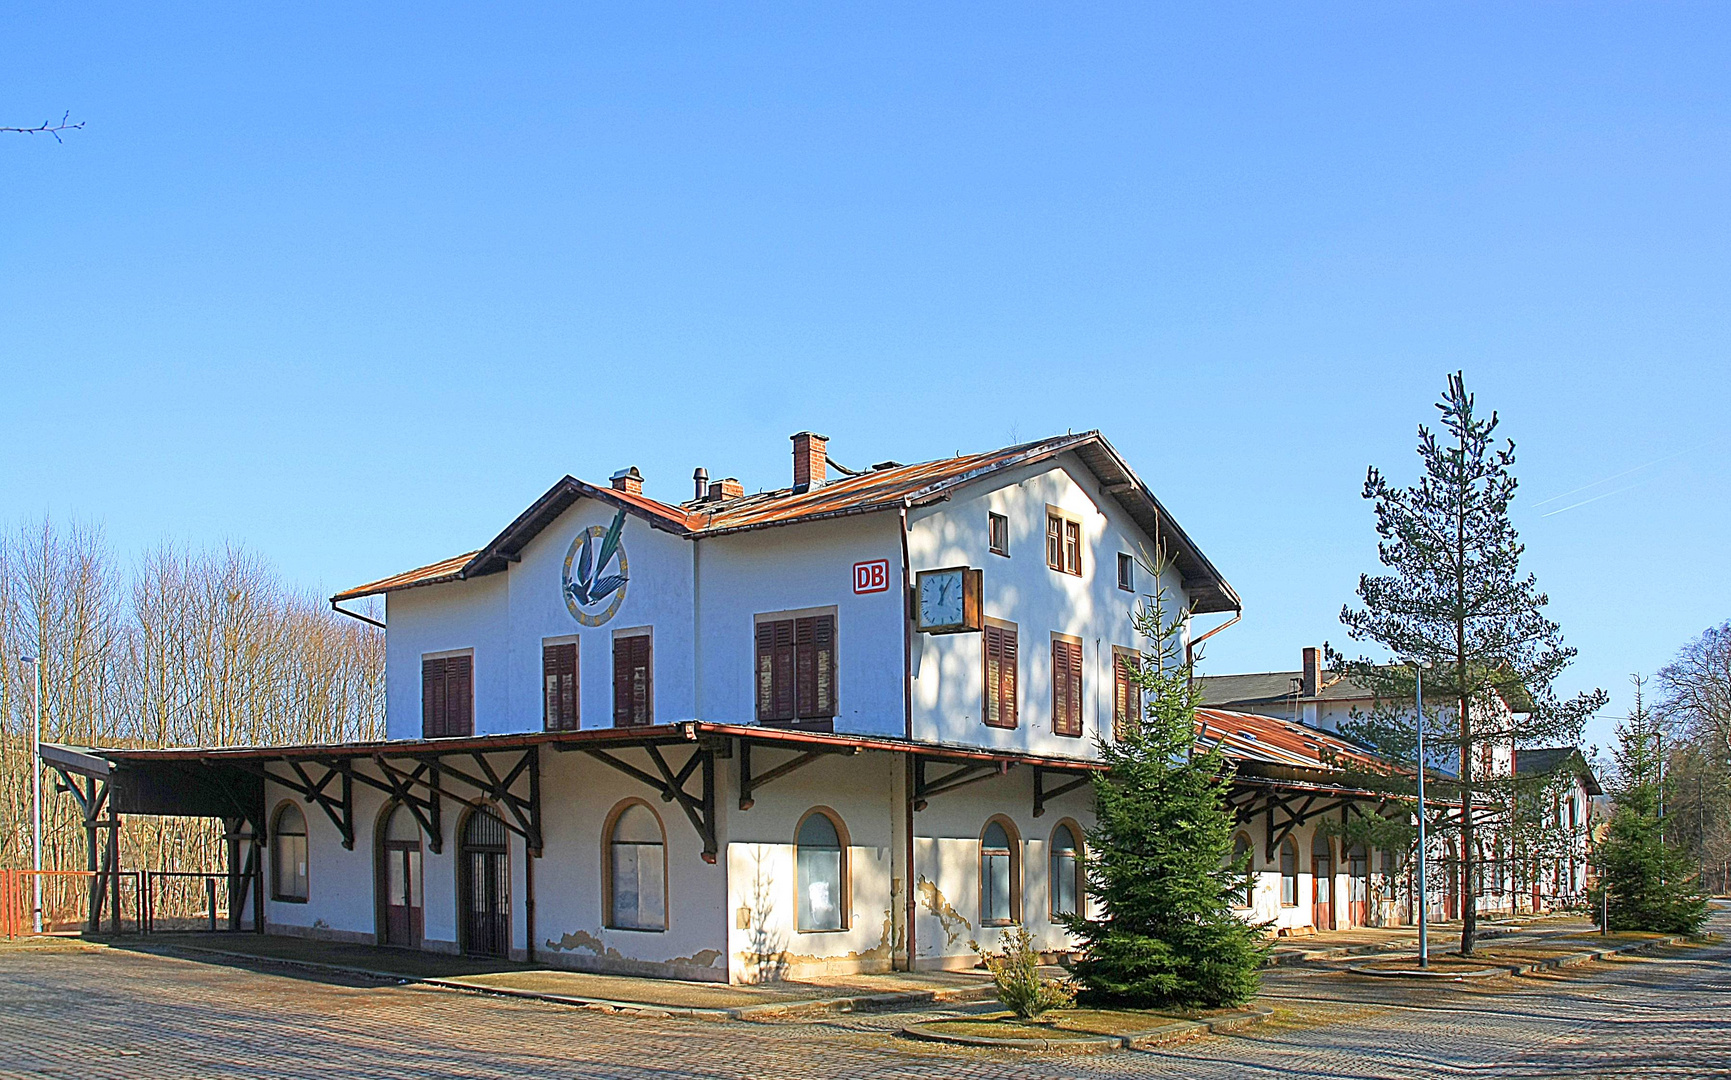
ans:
(368, 619)
(1190, 646)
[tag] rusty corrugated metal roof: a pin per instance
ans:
(1269, 739)
(445, 570)
(876, 490)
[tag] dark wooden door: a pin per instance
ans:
(1322, 888)
(402, 881)
(485, 886)
(1358, 885)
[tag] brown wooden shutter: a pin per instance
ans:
(1126, 696)
(1066, 688)
(559, 673)
(633, 681)
(432, 699)
(814, 666)
(999, 645)
(459, 696)
(776, 663)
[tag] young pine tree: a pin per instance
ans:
(1159, 856)
(1455, 598)
(1653, 884)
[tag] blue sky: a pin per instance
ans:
(354, 286)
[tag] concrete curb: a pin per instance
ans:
(1527, 968)
(1174, 1031)
(779, 1010)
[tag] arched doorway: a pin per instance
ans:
(1358, 886)
(399, 879)
(484, 884)
(1322, 885)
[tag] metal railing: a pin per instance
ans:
(67, 896)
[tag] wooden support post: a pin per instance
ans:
(113, 873)
(94, 923)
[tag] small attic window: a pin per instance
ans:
(882, 465)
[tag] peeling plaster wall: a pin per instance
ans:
(1022, 589)
(763, 879)
(947, 866)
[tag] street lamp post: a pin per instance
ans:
(1423, 898)
(36, 793)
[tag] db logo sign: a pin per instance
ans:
(870, 577)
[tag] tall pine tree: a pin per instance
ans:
(1159, 859)
(1456, 600)
(1653, 884)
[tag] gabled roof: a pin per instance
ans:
(1269, 687)
(1545, 760)
(890, 488)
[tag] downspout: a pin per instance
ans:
(912, 909)
(1190, 646)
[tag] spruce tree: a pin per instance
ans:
(1653, 884)
(1456, 600)
(1159, 859)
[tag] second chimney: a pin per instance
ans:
(1312, 672)
(630, 481)
(700, 481)
(810, 452)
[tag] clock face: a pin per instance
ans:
(941, 598)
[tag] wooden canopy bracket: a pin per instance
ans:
(525, 809)
(400, 786)
(749, 783)
(340, 809)
(670, 785)
(1041, 794)
(960, 776)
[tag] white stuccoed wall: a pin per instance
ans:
(1022, 589)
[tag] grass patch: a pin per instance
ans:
(1071, 1023)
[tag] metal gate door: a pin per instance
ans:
(486, 886)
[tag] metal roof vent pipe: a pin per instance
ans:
(810, 456)
(700, 482)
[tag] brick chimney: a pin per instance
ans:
(630, 481)
(729, 488)
(809, 455)
(1312, 672)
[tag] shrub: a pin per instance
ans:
(1015, 969)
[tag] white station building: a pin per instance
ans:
(846, 725)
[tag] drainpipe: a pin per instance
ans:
(908, 873)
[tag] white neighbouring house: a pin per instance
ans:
(845, 725)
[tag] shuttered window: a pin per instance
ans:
(1063, 544)
(633, 681)
(796, 668)
(1126, 694)
(447, 697)
(1000, 675)
(1066, 687)
(559, 680)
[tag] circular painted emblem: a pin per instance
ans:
(596, 572)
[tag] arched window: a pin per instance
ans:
(1000, 874)
(637, 870)
(1241, 856)
(1065, 871)
(820, 856)
(289, 855)
(1289, 872)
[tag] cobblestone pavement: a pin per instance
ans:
(82, 1012)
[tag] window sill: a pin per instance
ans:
(995, 551)
(637, 929)
(1004, 922)
(289, 899)
(836, 930)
